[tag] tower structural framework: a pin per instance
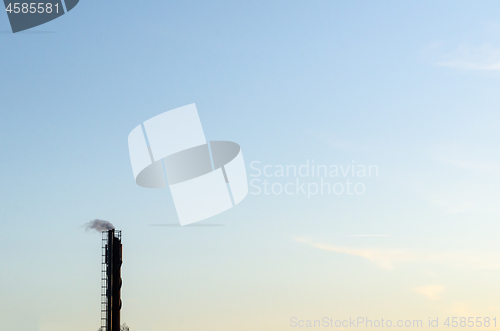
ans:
(111, 281)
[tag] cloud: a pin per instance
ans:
(456, 205)
(388, 258)
(461, 309)
(474, 176)
(383, 258)
(332, 142)
(466, 57)
(481, 167)
(430, 291)
(366, 235)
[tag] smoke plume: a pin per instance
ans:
(99, 225)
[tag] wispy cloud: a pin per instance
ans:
(455, 205)
(431, 291)
(483, 167)
(485, 57)
(366, 235)
(473, 177)
(332, 141)
(388, 258)
(461, 309)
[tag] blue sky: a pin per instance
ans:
(409, 87)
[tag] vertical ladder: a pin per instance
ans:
(104, 282)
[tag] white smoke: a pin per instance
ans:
(99, 225)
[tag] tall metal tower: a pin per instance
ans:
(111, 281)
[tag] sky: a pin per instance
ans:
(409, 88)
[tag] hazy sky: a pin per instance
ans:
(412, 88)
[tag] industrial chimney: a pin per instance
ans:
(111, 281)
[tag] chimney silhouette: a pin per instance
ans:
(111, 280)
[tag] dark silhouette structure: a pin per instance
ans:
(111, 280)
